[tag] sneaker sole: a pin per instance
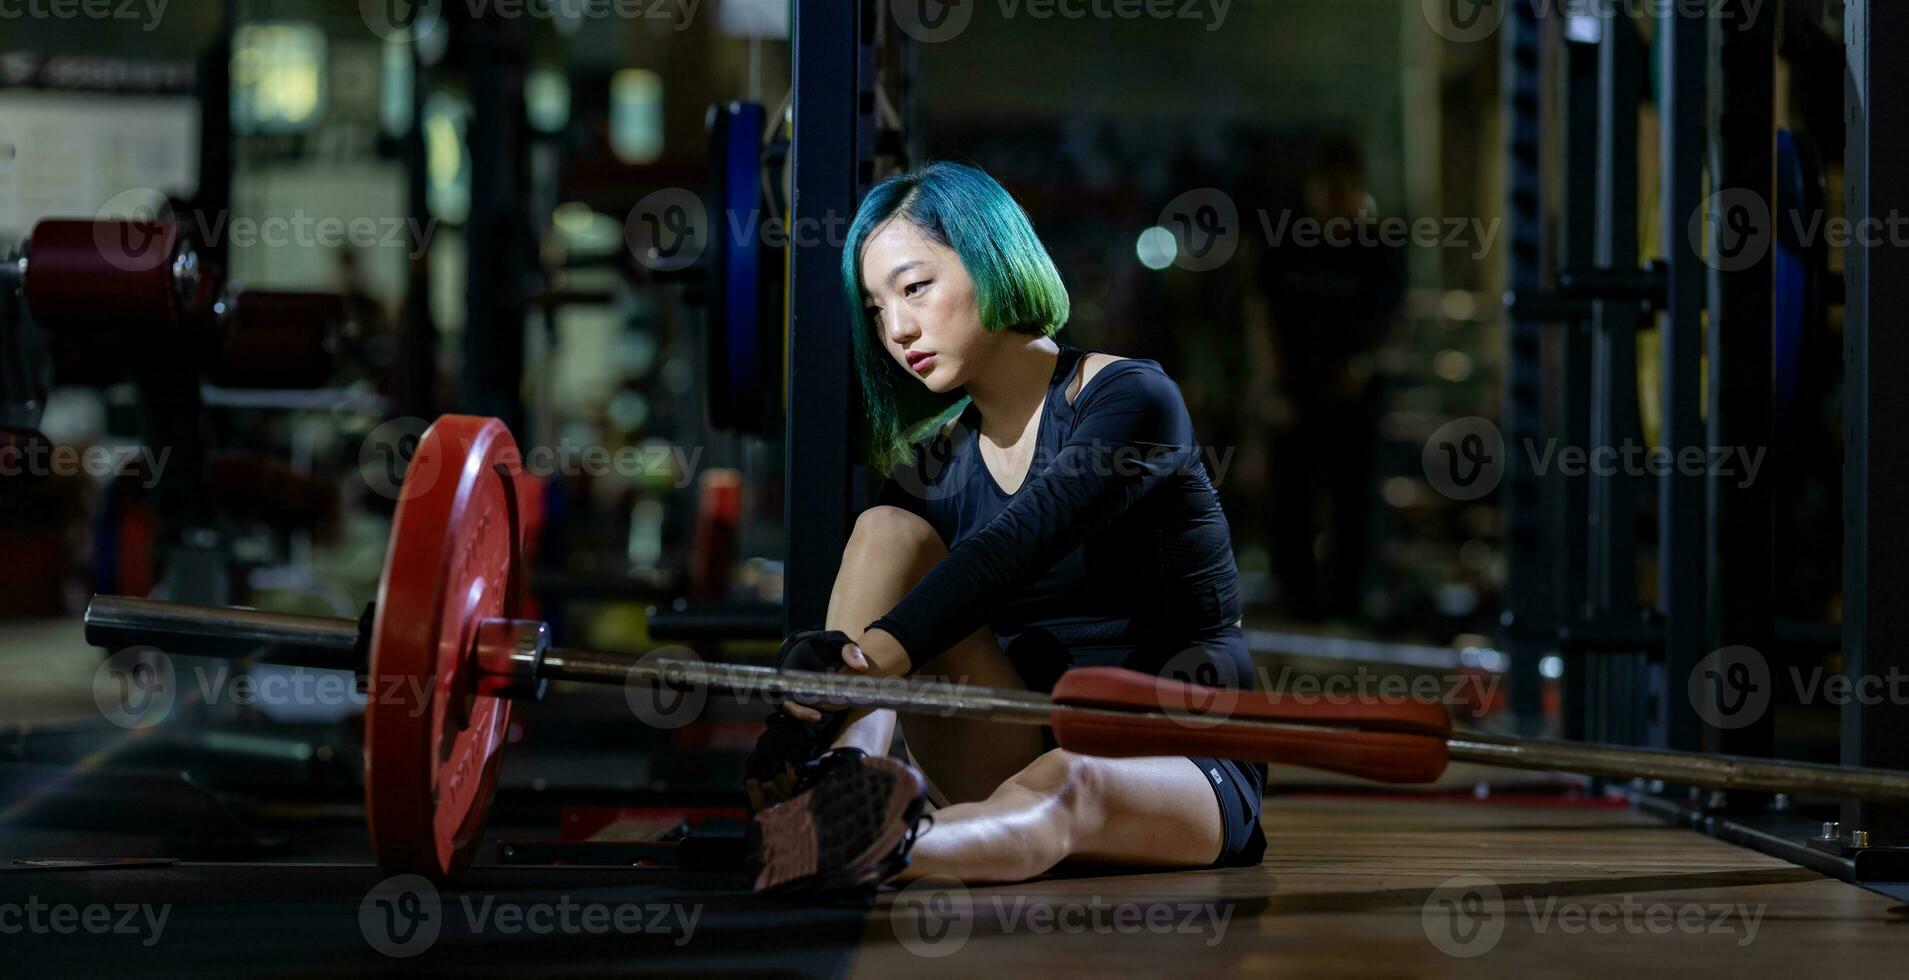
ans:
(801, 839)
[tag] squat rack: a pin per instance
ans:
(1579, 295)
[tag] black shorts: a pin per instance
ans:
(1241, 788)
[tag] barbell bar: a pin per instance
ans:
(525, 667)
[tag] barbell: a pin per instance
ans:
(114, 294)
(447, 653)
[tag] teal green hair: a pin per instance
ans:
(1015, 283)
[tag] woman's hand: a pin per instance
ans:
(877, 655)
(853, 662)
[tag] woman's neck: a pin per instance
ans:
(1012, 387)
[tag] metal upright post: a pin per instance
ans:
(217, 143)
(1876, 403)
(1742, 310)
(1683, 51)
(417, 333)
(499, 261)
(1614, 492)
(172, 408)
(1530, 602)
(833, 58)
(1577, 239)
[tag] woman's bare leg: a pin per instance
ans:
(1017, 811)
(1157, 811)
(889, 551)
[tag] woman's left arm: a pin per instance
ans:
(1132, 434)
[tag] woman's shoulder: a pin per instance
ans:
(1092, 364)
(1134, 374)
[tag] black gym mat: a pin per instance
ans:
(208, 920)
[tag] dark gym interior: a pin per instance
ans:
(412, 410)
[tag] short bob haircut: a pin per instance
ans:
(1015, 283)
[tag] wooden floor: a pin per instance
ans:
(1378, 887)
(1355, 886)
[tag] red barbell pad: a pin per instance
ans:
(84, 273)
(1387, 757)
(432, 762)
(1118, 687)
(1396, 743)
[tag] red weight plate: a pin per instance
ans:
(432, 743)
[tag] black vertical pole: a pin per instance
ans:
(172, 412)
(216, 141)
(915, 134)
(829, 58)
(1577, 249)
(416, 371)
(497, 233)
(1742, 316)
(1530, 604)
(1614, 493)
(1876, 402)
(1683, 50)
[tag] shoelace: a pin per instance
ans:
(800, 779)
(908, 842)
(899, 860)
(812, 773)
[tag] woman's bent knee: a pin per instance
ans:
(888, 552)
(894, 525)
(892, 538)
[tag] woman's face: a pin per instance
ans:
(921, 301)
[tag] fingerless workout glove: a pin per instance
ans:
(788, 744)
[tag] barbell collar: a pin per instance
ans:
(510, 658)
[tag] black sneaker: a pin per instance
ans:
(852, 827)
